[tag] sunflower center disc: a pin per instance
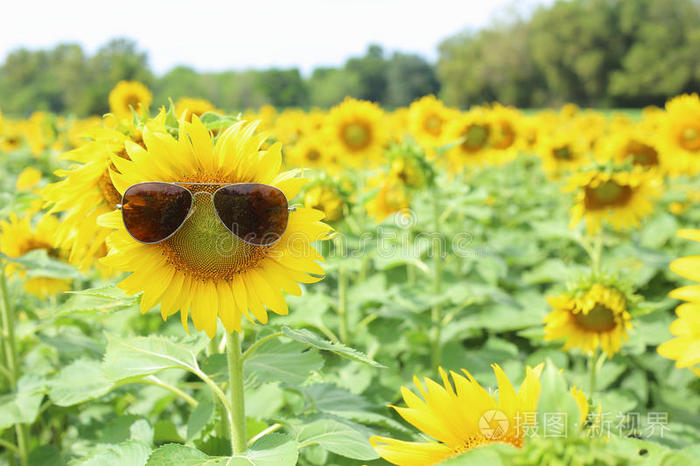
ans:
(641, 154)
(475, 137)
(690, 138)
(356, 135)
(313, 155)
(607, 194)
(204, 247)
(599, 319)
(504, 136)
(563, 153)
(433, 125)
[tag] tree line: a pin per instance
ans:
(603, 53)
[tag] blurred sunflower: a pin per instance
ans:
(327, 196)
(620, 198)
(355, 132)
(461, 415)
(409, 167)
(192, 106)
(474, 134)
(561, 151)
(685, 347)
(86, 191)
(632, 144)
(17, 237)
(310, 151)
(427, 119)
(391, 197)
(203, 270)
(11, 138)
(590, 316)
(290, 126)
(681, 134)
(128, 95)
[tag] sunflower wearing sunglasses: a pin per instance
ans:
(205, 228)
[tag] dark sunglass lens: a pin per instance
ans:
(153, 211)
(256, 213)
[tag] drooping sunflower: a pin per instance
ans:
(86, 191)
(128, 95)
(462, 417)
(192, 106)
(685, 347)
(409, 167)
(620, 198)
(427, 120)
(356, 133)
(392, 197)
(588, 317)
(203, 270)
(680, 137)
(327, 196)
(17, 237)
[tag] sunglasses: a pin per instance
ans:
(153, 211)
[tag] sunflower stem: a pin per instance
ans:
(342, 293)
(592, 372)
(235, 374)
(7, 316)
(437, 286)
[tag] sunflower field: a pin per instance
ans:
(482, 286)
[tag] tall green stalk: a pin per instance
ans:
(342, 291)
(7, 315)
(435, 314)
(235, 375)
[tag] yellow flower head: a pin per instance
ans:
(633, 145)
(128, 95)
(203, 270)
(680, 137)
(561, 151)
(311, 151)
(86, 191)
(356, 133)
(592, 317)
(17, 237)
(427, 120)
(685, 347)
(461, 418)
(191, 106)
(392, 197)
(619, 198)
(328, 198)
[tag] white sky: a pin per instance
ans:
(214, 35)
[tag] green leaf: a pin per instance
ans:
(165, 431)
(271, 450)
(337, 437)
(64, 390)
(290, 363)
(131, 452)
(557, 411)
(142, 356)
(103, 299)
(22, 406)
(311, 339)
(200, 415)
(37, 263)
(45, 455)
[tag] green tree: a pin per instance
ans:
(408, 77)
